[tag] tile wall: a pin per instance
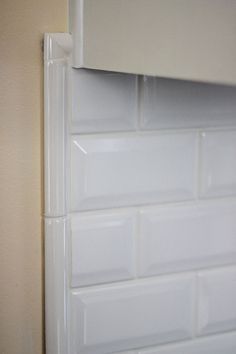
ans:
(153, 216)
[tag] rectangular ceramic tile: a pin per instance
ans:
(222, 344)
(187, 237)
(102, 247)
(217, 301)
(119, 170)
(124, 317)
(180, 104)
(103, 101)
(218, 167)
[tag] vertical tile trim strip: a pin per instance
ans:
(57, 50)
(56, 285)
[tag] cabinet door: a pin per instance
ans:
(185, 39)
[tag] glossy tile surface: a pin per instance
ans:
(103, 101)
(129, 352)
(54, 135)
(222, 344)
(179, 104)
(56, 230)
(218, 167)
(106, 320)
(102, 247)
(187, 237)
(124, 170)
(217, 294)
(125, 206)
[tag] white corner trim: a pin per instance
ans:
(57, 50)
(57, 45)
(56, 285)
(56, 72)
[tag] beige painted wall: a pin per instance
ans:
(22, 23)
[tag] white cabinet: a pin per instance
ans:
(185, 39)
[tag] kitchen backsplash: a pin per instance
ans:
(152, 215)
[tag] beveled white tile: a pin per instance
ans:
(218, 167)
(102, 247)
(221, 344)
(178, 238)
(123, 317)
(168, 103)
(119, 170)
(103, 101)
(217, 301)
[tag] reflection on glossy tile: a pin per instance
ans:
(177, 104)
(222, 344)
(138, 169)
(218, 167)
(217, 296)
(116, 164)
(103, 101)
(102, 247)
(54, 137)
(123, 317)
(187, 237)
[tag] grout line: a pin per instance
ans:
(168, 277)
(161, 131)
(222, 333)
(199, 165)
(183, 342)
(55, 60)
(140, 102)
(217, 268)
(155, 278)
(157, 206)
(48, 217)
(137, 244)
(196, 304)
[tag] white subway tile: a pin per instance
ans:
(218, 166)
(112, 171)
(185, 237)
(102, 247)
(170, 103)
(221, 344)
(123, 317)
(103, 101)
(217, 301)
